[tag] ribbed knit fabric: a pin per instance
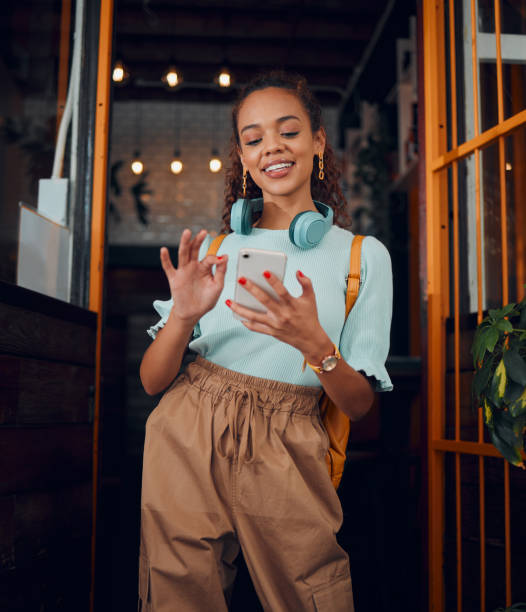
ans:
(363, 340)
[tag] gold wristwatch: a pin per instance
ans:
(327, 363)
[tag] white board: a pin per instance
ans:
(43, 254)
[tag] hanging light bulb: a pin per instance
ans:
(137, 167)
(172, 77)
(176, 165)
(120, 74)
(224, 78)
(215, 163)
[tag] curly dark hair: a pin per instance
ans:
(327, 191)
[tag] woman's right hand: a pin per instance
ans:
(194, 289)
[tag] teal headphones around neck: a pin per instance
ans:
(305, 231)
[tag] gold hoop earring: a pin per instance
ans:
(244, 182)
(321, 174)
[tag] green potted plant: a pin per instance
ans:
(499, 384)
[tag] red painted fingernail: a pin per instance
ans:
(241, 280)
(300, 273)
(266, 274)
(219, 257)
(228, 303)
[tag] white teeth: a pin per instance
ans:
(278, 166)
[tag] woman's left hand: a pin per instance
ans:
(293, 320)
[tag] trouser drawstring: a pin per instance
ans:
(247, 436)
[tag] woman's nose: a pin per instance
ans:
(273, 145)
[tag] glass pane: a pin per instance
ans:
(486, 16)
(29, 52)
(450, 535)
(516, 211)
(36, 65)
(514, 86)
(491, 220)
(513, 50)
(489, 105)
(494, 527)
(518, 533)
(467, 235)
(513, 16)
(470, 521)
(463, 94)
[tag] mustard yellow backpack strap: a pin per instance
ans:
(353, 280)
(215, 244)
(336, 423)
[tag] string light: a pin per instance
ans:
(224, 78)
(215, 163)
(176, 165)
(137, 167)
(172, 77)
(120, 74)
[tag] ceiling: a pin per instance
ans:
(324, 41)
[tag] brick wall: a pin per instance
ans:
(191, 199)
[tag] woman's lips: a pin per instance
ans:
(278, 170)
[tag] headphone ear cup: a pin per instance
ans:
(241, 216)
(307, 229)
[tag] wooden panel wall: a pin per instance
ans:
(47, 351)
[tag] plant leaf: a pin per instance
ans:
(485, 340)
(508, 436)
(482, 377)
(488, 415)
(509, 452)
(505, 325)
(515, 365)
(478, 341)
(492, 338)
(513, 392)
(500, 313)
(505, 427)
(498, 384)
(518, 408)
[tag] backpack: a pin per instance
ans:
(336, 423)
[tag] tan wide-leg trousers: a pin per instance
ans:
(234, 460)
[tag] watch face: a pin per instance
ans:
(329, 363)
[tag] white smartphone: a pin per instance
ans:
(251, 263)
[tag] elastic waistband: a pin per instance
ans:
(216, 379)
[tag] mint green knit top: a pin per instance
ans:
(363, 339)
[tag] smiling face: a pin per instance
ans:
(277, 145)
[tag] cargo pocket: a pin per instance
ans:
(144, 603)
(335, 596)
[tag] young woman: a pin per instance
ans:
(235, 451)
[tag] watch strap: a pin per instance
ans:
(319, 369)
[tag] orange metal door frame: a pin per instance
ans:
(437, 160)
(98, 231)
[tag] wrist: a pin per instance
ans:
(318, 350)
(185, 325)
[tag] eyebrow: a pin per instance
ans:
(280, 120)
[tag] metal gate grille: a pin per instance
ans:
(475, 150)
